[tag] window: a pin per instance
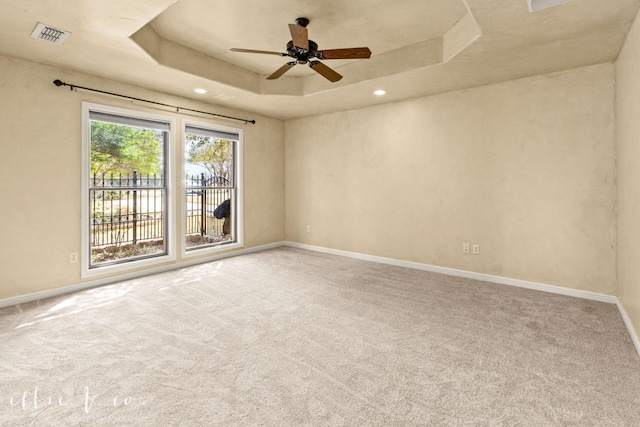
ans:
(126, 182)
(212, 190)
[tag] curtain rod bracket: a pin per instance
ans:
(59, 82)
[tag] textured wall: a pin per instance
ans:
(628, 135)
(40, 149)
(524, 168)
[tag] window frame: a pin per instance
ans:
(169, 176)
(238, 216)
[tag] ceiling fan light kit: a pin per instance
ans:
(305, 51)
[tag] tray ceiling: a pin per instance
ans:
(418, 48)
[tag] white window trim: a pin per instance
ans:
(170, 236)
(239, 215)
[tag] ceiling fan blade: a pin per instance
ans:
(324, 71)
(349, 53)
(280, 71)
(266, 52)
(300, 36)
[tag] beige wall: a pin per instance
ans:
(628, 136)
(40, 150)
(524, 168)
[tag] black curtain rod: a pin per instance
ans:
(71, 86)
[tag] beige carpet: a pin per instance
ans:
(288, 337)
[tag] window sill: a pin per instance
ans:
(126, 267)
(208, 250)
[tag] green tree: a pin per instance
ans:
(123, 149)
(215, 155)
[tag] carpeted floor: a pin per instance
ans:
(288, 337)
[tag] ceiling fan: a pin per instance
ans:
(305, 51)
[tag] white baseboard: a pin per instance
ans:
(594, 296)
(389, 261)
(629, 325)
(21, 299)
(462, 273)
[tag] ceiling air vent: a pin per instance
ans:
(535, 5)
(49, 33)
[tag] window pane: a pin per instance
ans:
(210, 188)
(127, 192)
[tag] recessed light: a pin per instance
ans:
(535, 5)
(379, 92)
(199, 90)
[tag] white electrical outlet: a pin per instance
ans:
(465, 248)
(308, 229)
(476, 249)
(73, 257)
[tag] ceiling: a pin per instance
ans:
(418, 47)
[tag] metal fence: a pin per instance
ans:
(127, 208)
(204, 195)
(131, 208)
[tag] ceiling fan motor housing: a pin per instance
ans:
(302, 55)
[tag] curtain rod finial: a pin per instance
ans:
(58, 82)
